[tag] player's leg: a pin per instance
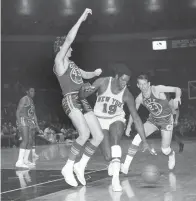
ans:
(166, 134)
(166, 149)
(105, 145)
(149, 128)
(178, 140)
(72, 109)
(24, 130)
(116, 132)
(91, 145)
(29, 148)
(34, 155)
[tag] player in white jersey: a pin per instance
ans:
(112, 94)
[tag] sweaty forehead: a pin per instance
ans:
(125, 77)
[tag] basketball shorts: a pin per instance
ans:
(105, 123)
(71, 101)
(164, 123)
(26, 122)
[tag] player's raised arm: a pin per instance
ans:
(89, 75)
(138, 102)
(71, 37)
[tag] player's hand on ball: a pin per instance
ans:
(146, 147)
(98, 72)
(86, 13)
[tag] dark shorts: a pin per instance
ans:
(164, 123)
(72, 101)
(23, 122)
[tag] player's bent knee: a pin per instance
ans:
(137, 140)
(116, 151)
(166, 151)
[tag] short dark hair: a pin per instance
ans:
(58, 43)
(143, 77)
(121, 69)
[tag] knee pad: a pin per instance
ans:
(137, 140)
(166, 151)
(116, 151)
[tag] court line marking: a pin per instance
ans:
(45, 196)
(46, 182)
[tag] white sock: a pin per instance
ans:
(21, 155)
(128, 161)
(83, 161)
(26, 155)
(116, 167)
(33, 151)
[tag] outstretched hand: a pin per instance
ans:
(86, 13)
(146, 147)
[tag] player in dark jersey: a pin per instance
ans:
(70, 78)
(26, 120)
(154, 99)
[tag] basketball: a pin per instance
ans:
(151, 174)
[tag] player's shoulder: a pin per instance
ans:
(104, 80)
(24, 100)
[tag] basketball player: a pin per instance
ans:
(27, 124)
(154, 99)
(112, 94)
(176, 114)
(70, 78)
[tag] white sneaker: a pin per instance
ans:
(21, 164)
(69, 176)
(110, 170)
(172, 161)
(79, 173)
(28, 163)
(124, 169)
(116, 187)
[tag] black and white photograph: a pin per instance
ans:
(98, 100)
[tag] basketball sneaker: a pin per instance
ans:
(79, 171)
(67, 172)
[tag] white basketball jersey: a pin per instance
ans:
(109, 105)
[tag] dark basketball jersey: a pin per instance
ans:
(158, 108)
(71, 80)
(28, 111)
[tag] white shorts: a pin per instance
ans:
(105, 123)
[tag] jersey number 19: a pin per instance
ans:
(110, 110)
